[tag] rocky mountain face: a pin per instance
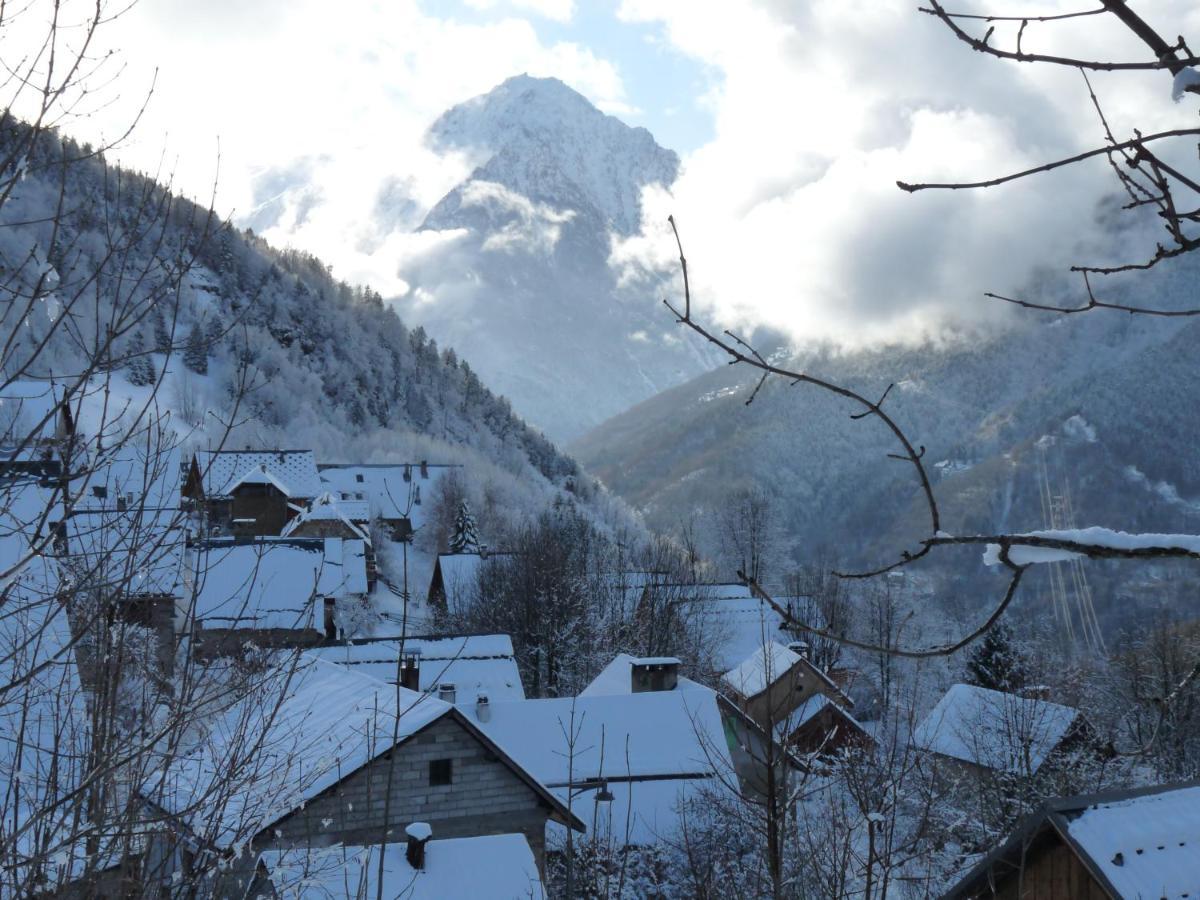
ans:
(527, 294)
(1084, 417)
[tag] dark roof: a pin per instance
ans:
(1053, 819)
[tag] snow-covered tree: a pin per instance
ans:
(465, 539)
(139, 366)
(996, 662)
(195, 354)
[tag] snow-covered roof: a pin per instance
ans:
(259, 474)
(1146, 846)
(132, 476)
(640, 812)
(392, 489)
(664, 733)
(617, 678)
(327, 508)
(222, 470)
(732, 621)
(807, 711)
(23, 405)
(285, 741)
(760, 669)
(272, 582)
(1135, 843)
(460, 575)
(474, 664)
(496, 865)
(994, 729)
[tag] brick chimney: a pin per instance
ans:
(418, 834)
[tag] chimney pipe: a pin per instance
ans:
(410, 672)
(424, 469)
(447, 692)
(419, 834)
(483, 708)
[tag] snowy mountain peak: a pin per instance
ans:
(545, 141)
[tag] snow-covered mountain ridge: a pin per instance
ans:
(526, 292)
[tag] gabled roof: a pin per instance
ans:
(272, 582)
(290, 738)
(767, 664)
(497, 865)
(474, 664)
(995, 730)
(729, 618)
(391, 494)
(1136, 843)
(283, 743)
(221, 470)
(327, 508)
(660, 734)
(460, 575)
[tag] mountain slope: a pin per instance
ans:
(323, 365)
(526, 291)
(1101, 401)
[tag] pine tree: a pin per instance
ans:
(195, 354)
(465, 540)
(138, 365)
(162, 336)
(996, 662)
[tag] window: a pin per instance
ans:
(358, 477)
(440, 772)
(99, 491)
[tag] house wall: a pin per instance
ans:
(783, 697)
(1050, 873)
(485, 797)
(269, 509)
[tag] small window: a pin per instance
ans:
(358, 477)
(99, 491)
(440, 772)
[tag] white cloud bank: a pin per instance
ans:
(791, 215)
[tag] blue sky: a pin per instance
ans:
(667, 88)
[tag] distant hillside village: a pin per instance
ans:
(260, 687)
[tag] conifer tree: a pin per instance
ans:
(139, 366)
(195, 354)
(465, 539)
(997, 663)
(162, 336)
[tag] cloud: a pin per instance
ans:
(791, 215)
(531, 227)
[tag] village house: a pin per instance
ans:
(981, 731)
(470, 670)
(790, 697)
(399, 495)
(344, 759)
(35, 421)
(1142, 843)
(251, 492)
(455, 579)
(273, 592)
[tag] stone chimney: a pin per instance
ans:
(418, 834)
(654, 673)
(410, 672)
(800, 648)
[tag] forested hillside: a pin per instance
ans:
(275, 350)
